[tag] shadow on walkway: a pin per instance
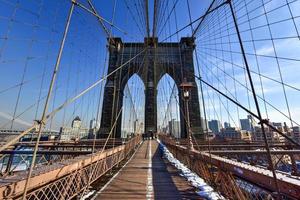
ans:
(167, 182)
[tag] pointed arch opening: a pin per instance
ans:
(133, 107)
(168, 110)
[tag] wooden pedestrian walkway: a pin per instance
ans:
(147, 176)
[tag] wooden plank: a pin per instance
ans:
(132, 182)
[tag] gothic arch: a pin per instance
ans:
(129, 73)
(175, 59)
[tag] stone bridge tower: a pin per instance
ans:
(175, 59)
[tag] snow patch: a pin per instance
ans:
(88, 195)
(205, 191)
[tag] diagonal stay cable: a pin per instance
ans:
(196, 20)
(249, 90)
(67, 102)
(250, 112)
(108, 33)
(168, 18)
(206, 13)
(102, 150)
(134, 18)
(99, 17)
(252, 71)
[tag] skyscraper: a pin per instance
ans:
(247, 124)
(93, 123)
(174, 128)
(75, 131)
(76, 123)
(214, 126)
(227, 125)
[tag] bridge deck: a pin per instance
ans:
(147, 176)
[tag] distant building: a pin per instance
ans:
(137, 127)
(76, 123)
(227, 125)
(94, 127)
(233, 133)
(76, 131)
(140, 129)
(93, 124)
(247, 124)
(279, 126)
(214, 126)
(174, 128)
(272, 136)
(164, 129)
(8, 134)
(296, 133)
(125, 133)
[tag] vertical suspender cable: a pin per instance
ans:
(147, 18)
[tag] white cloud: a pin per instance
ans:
(278, 117)
(265, 50)
(287, 48)
(18, 120)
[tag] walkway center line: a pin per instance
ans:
(149, 194)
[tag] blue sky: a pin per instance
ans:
(260, 52)
(31, 30)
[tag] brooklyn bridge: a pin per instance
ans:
(150, 99)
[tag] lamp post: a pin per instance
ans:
(186, 89)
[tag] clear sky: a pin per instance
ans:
(31, 31)
(270, 34)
